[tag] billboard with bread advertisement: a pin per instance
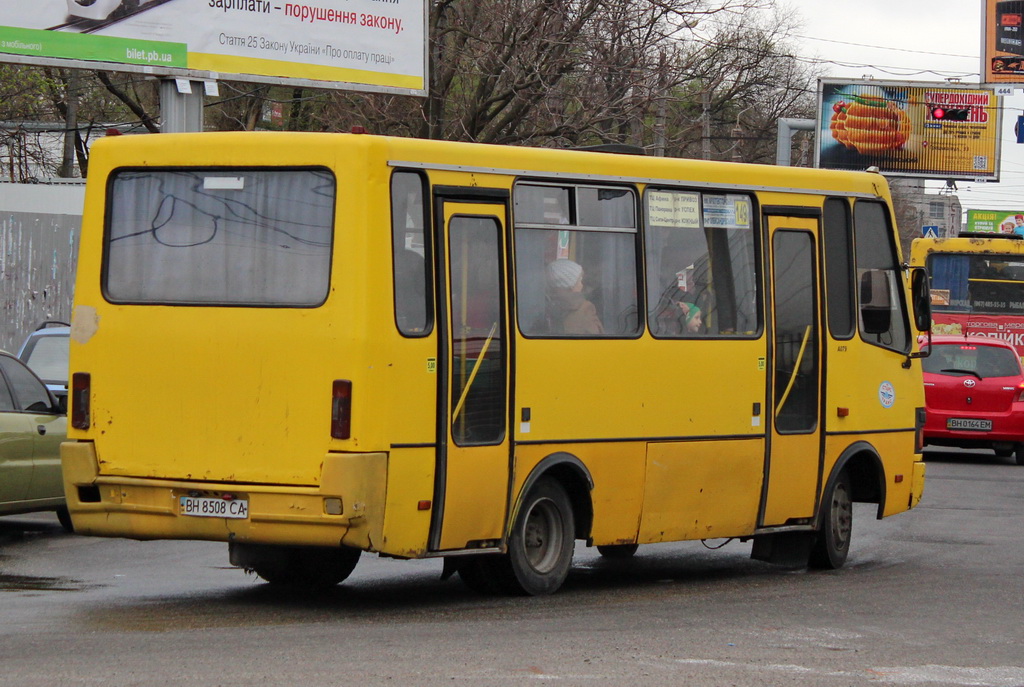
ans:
(1002, 41)
(364, 45)
(909, 129)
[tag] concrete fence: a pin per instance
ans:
(39, 229)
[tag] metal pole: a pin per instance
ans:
(784, 145)
(181, 106)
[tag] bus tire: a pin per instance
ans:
(306, 567)
(832, 544)
(485, 574)
(541, 542)
(617, 551)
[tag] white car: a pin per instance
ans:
(45, 351)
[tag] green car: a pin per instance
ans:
(32, 426)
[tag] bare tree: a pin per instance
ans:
(697, 78)
(740, 78)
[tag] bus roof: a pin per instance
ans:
(543, 163)
(996, 244)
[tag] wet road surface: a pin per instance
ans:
(929, 597)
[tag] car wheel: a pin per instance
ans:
(65, 519)
(617, 551)
(832, 544)
(1018, 454)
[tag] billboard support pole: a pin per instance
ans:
(181, 106)
(784, 145)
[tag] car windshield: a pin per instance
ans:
(48, 358)
(970, 359)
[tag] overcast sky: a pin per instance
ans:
(913, 40)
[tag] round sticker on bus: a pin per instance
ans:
(886, 394)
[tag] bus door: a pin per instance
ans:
(793, 464)
(471, 481)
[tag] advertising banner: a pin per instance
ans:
(1002, 41)
(1009, 328)
(934, 131)
(369, 45)
(995, 221)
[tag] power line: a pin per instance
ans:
(883, 47)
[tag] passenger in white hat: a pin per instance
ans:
(569, 311)
(565, 274)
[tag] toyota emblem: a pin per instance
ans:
(969, 383)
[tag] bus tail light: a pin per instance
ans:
(81, 390)
(341, 409)
(919, 419)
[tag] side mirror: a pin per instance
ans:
(920, 296)
(875, 302)
(62, 403)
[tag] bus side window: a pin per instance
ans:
(838, 268)
(701, 264)
(876, 256)
(412, 278)
(576, 264)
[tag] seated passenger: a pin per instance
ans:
(569, 311)
(677, 317)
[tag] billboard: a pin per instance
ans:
(929, 130)
(1002, 41)
(366, 45)
(995, 221)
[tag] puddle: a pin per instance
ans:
(29, 583)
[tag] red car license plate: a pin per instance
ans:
(969, 423)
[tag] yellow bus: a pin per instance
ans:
(313, 345)
(977, 284)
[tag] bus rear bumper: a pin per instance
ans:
(347, 508)
(917, 483)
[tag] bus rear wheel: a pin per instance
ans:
(617, 551)
(832, 545)
(296, 566)
(541, 543)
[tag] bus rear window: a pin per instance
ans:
(982, 283)
(219, 236)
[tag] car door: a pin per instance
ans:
(42, 426)
(16, 447)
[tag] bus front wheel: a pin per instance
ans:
(296, 566)
(541, 543)
(832, 545)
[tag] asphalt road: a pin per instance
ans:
(929, 597)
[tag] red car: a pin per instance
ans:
(974, 395)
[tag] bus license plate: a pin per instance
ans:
(206, 507)
(969, 423)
